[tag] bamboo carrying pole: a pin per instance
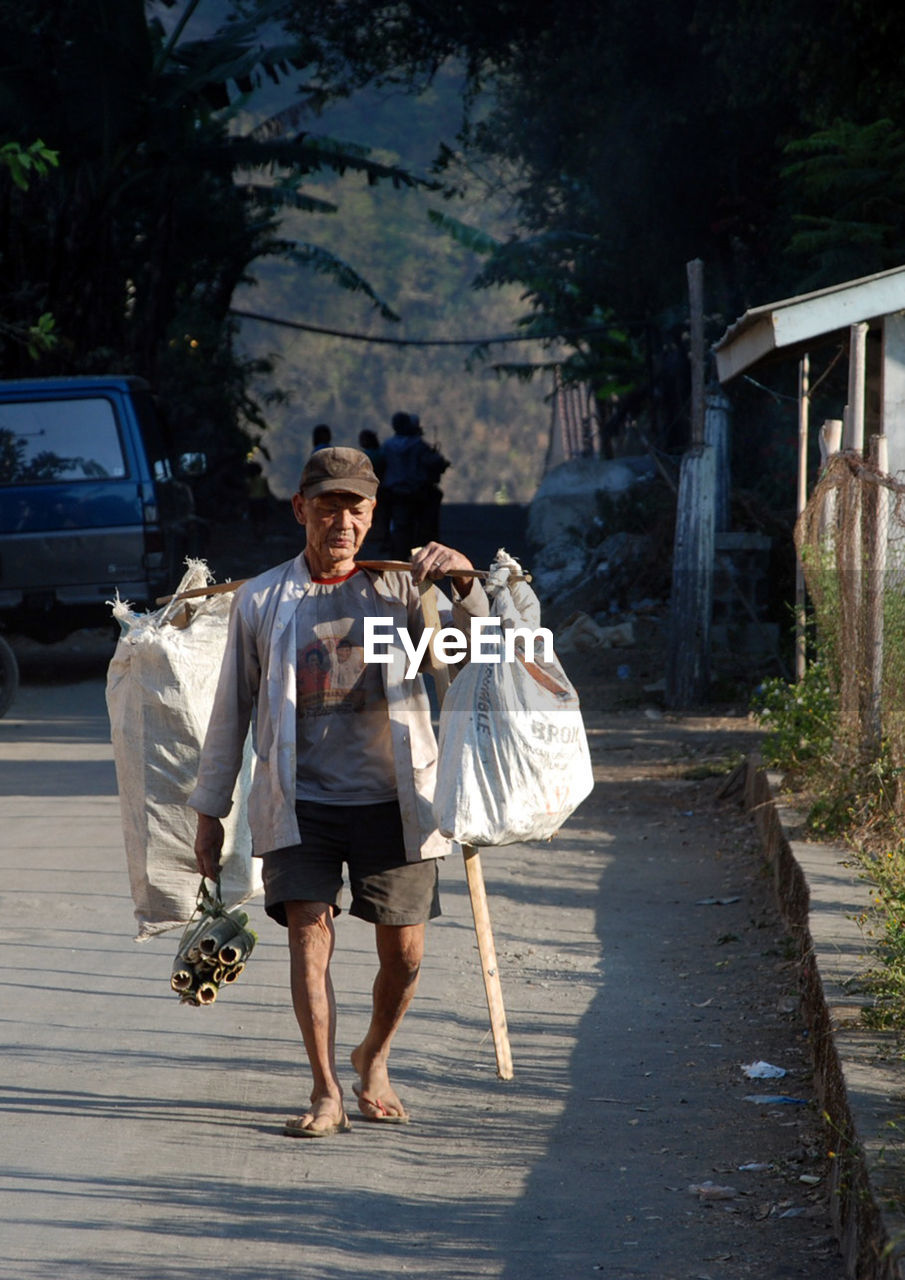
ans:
(474, 875)
(383, 566)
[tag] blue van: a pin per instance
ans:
(92, 501)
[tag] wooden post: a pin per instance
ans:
(474, 875)
(892, 385)
(849, 552)
(716, 433)
(857, 362)
(874, 514)
(691, 600)
(695, 273)
(804, 369)
(830, 439)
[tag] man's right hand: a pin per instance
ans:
(209, 845)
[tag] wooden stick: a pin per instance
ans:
(380, 566)
(403, 566)
(431, 613)
(213, 589)
(474, 875)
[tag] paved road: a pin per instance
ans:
(142, 1139)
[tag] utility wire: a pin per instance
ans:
(779, 396)
(413, 342)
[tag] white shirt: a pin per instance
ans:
(258, 685)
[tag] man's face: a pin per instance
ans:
(336, 524)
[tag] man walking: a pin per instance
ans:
(344, 769)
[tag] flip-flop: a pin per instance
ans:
(383, 1115)
(295, 1128)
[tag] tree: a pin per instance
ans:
(642, 141)
(159, 206)
(23, 163)
(600, 127)
(848, 182)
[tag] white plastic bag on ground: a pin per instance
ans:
(160, 690)
(514, 760)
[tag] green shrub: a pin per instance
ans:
(884, 922)
(799, 718)
(851, 798)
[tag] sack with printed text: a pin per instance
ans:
(514, 760)
(160, 690)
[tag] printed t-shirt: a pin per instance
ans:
(344, 753)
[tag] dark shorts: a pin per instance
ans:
(368, 839)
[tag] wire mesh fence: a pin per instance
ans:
(851, 543)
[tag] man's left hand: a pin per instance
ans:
(209, 845)
(437, 561)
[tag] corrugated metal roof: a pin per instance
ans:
(808, 317)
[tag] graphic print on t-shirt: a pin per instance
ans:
(343, 744)
(333, 678)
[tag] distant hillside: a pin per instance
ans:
(493, 430)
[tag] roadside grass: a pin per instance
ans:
(858, 804)
(714, 767)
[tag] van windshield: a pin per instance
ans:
(48, 441)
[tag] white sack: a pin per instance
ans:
(514, 760)
(160, 690)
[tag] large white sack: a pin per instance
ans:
(513, 756)
(160, 690)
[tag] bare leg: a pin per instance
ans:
(311, 942)
(400, 949)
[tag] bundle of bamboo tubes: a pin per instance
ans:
(213, 950)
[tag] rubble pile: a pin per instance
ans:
(589, 575)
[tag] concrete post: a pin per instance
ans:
(691, 602)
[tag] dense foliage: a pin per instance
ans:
(765, 139)
(136, 242)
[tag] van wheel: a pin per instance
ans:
(9, 677)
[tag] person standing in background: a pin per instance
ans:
(379, 536)
(410, 485)
(321, 437)
(258, 497)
